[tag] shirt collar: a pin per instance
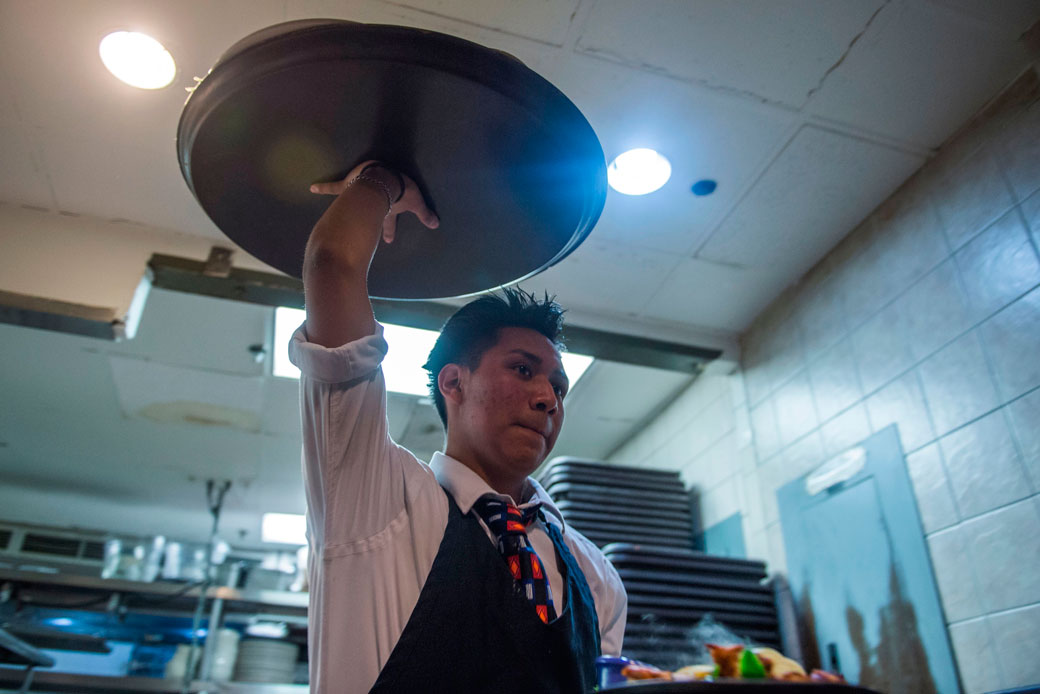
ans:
(466, 486)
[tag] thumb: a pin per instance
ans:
(429, 218)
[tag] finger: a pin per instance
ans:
(330, 188)
(428, 217)
(390, 228)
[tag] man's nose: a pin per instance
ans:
(544, 399)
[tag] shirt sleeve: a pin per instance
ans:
(613, 612)
(354, 474)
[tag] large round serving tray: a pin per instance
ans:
(510, 165)
(735, 687)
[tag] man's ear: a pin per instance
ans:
(449, 382)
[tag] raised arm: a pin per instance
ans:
(341, 246)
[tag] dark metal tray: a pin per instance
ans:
(510, 165)
(628, 480)
(683, 515)
(628, 519)
(609, 495)
(737, 687)
(581, 464)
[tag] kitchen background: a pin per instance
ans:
(869, 258)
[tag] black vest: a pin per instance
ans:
(473, 630)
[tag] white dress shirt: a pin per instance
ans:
(376, 516)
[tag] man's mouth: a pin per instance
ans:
(540, 432)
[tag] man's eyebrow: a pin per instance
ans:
(523, 352)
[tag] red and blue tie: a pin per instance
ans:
(509, 525)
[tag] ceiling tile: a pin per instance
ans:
(202, 332)
(703, 134)
(915, 58)
(1015, 15)
(546, 22)
(173, 394)
(771, 51)
(811, 196)
(702, 293)
(22, 179)
(82, 115)
(603, 273)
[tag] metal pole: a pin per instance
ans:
(215, 499)
(216, 616)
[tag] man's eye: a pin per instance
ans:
(522, 369)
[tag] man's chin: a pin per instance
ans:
(525, 461)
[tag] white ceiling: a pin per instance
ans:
(808, 113)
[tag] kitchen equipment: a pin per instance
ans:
(608, 670)
(643, 521)
(150, 570)
(224, 655)
(266, 660)
(171, 568)
(512, 168)
(113, 556)
(670, 591)
(178, 663)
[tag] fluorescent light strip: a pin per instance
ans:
(408, 350)
(284, 528)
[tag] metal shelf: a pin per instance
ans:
(11, 679)
(66, 683)
(45, 585)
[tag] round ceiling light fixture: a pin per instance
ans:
(137, 59)
(638, 172)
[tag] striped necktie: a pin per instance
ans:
(509, 525)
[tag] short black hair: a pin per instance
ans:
(473, 330)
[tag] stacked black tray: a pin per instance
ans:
(671, 591)
(642, 519)
(611, 503)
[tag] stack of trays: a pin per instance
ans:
(266, 660)
(610, 503)
(671, 591)
(642, 519)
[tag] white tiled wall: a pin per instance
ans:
(927, 316)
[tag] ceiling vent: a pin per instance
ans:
(38, 543)
(62, 550)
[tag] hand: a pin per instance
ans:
(410, 201)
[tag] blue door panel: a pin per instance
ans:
(859, 570)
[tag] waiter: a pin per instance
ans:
(460, 575)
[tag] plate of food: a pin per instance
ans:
(733, 668)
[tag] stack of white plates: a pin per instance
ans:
(266, 660)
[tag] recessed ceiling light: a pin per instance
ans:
(638, 172)
(137, 59)
(704, 187)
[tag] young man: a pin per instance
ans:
(460, 575)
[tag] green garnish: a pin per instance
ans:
(751, 667)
